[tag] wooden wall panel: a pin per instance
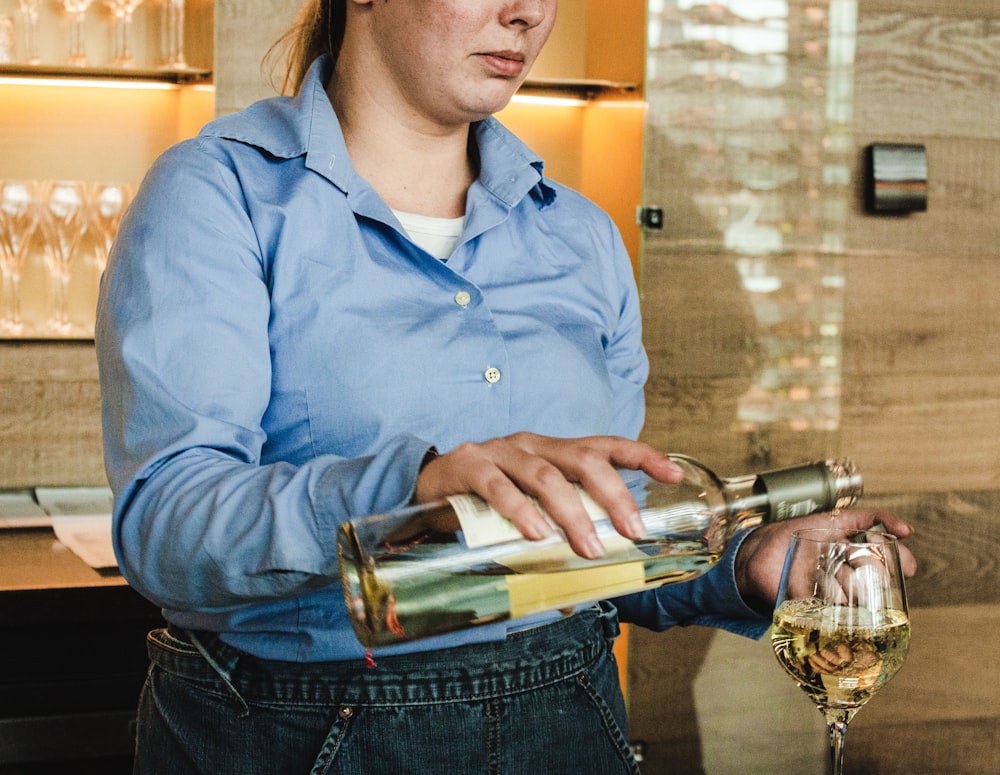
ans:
(50, 432)
(915, 323)
(921, 72)
(922, 371)
(244, 32)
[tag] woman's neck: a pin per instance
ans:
(414, 164)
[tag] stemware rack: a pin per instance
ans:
(95, 123)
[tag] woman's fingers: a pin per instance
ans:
(532, 480)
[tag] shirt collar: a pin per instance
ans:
(306, 125)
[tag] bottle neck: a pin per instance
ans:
(793, 492)
(747, 501)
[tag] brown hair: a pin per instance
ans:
(318, 30)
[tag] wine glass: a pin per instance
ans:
(108, 202)
(30, 10)
(122, 11)
(10, 276)
(65, 217)
(78, 46)
(841, 625)
(172, 35)
(18, 214)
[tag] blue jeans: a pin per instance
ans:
(546, 700)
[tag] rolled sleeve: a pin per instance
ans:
(711, 600)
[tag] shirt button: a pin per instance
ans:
(462, 298)
(492, 375)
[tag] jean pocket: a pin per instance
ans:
(607, 700)
(171, 641)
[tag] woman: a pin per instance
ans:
(343, 302)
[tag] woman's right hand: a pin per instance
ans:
(506, 471)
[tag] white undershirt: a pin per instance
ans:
(438, 236)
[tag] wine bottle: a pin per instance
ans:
(445, 566)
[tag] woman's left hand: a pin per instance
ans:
(762, 555)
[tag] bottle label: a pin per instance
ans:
(795, 492)
(533, 592)
(791, 509)
(483, 525)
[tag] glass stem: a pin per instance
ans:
(60, 316)
(78, 49)
(172, 32)
(33, 56)
(127, 39)
(15, 301)
(122, 40)
(838, 730)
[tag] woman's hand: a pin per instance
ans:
(505, 471)
(762, 554)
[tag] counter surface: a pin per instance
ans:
(33, 558)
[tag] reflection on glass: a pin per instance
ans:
(29, 13)
(750, 118)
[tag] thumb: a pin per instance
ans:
(866, 520)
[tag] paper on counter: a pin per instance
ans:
(81, 519)
(18, 509)
(88, 537)
(75, 500)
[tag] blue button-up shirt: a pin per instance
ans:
(277, 356)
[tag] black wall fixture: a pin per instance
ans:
(895, 178)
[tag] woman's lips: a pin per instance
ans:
(506, 63)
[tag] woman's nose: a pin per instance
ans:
(528, 13)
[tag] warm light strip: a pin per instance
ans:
(534, 99)
(88, 83)
(633, 104)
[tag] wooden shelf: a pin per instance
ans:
(112, 74)
(587, 89)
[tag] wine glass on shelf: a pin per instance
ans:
(121, 12)
(172, 35)
(64, 215)
(8, 286)
(841, 625)
(108, 202)
(30, 10)
(77, 9)
(18, 214)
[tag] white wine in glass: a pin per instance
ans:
(841, 627)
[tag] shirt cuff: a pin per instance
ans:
(711, 600)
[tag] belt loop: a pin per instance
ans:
(609, 621)
(224, 674)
